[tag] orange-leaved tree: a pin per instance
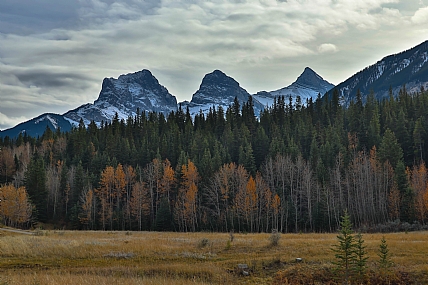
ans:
(168, 179)
(15, 208)
(418, 182)
(105, 195)
(87, 215)
(186, 206)
(140, 203)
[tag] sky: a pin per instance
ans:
(54, 54)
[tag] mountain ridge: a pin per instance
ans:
(307, 85)
(124, 95)
(218, 89)
(408, 68)
(141, 90)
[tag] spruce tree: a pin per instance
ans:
(385, 262)
(35, 183)
(361, 258)
(163, 216)
(345, 250)
(389, 149)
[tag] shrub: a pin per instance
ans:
(39, 232)
(228, 245)
(231, 236)
(203, 243)
(274, 238)
(302, 275)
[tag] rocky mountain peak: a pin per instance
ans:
(131, 82)
(310, 78)
(219, 79)
(124, 95)
(218, 89)
(144, 78)
(308, 85)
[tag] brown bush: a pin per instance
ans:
(304, 275)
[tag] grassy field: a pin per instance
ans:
(95, 258)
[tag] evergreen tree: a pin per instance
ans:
(390, 150)
(419, 134)
(401, 130)
(345, 252)
(361, 258)
(407, 209)
(374, 137)
(260, 146)
(385, 262)
(35, 183)
(163, 216)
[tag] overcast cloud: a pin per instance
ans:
(55, 54)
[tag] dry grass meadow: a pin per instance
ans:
(98, 258)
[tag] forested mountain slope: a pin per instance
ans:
(388, 75)
(296, 169)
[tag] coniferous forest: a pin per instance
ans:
(295, 168)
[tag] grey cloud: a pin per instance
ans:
(97, 11)
(240, 17)
(7, 121)
(28, 17)
(27, 92)
(42, 78)
(77, 52)
(265, 44)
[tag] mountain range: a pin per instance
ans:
(407, 68)
(142, 91)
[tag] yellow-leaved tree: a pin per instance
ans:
(186, 206)
(15, 208)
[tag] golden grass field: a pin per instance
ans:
(97, 258)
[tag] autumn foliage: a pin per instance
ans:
(294, 167)
(15, 208)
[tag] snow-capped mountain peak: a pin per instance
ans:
(308, 85)
(124, 96)
(218, 89)
(310, 79)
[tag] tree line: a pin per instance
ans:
(295, 167)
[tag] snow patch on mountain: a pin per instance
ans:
(405, 68)
(124, 96)
(47, 118)
(217, 89)
(308, 85)
(424, 57)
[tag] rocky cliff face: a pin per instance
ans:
(140, 90)
(218, 89)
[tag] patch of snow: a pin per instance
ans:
(266, 101)
(402, 65)
(424, 57)
(72, 122)
(53, 121)
(49, 118)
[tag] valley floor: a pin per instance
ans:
(95, 258)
